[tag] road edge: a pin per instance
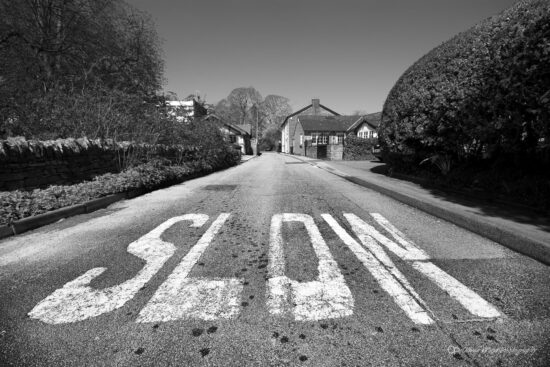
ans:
(40, 220)
(531, 247)
(36, 221)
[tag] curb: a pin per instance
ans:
(464, 193)
(249, 159)
(527, 246)
(39, 220)
(533, 248)
(26, 224)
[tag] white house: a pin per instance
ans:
(185, 111)
(366, 127)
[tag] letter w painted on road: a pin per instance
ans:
(466, 297)
(392, 280)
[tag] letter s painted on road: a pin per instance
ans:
(77, 301)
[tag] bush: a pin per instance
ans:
(482, 93)
(146, 177)
(356, 149)
(478, 104)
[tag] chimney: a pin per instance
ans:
(316, 106)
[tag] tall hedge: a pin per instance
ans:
(483, 95)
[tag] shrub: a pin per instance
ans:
(149, 176)
(478, 105)
(481, 94)
(358, 148)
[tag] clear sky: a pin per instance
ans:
(347, 53)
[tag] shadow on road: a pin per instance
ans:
(483, 201)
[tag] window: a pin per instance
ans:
(301, 140)
(336, 138)
(319, 138)
(232, 138)
(314, 137)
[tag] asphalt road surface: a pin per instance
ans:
(270, 263)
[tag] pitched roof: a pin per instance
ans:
(372, 119)
(305, 109)
(247, 128)
(211, 117)
(238, 128)
(327, 123)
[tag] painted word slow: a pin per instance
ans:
(183, 297)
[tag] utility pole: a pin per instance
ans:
(257, 124)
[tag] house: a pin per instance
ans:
(233, 133)
(187, 110)
(289, 135)
(366, 127)
(318, 132)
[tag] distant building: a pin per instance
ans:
(289, 135)
(366, 127)
(233, 133)
(318, 132)
(186, 111)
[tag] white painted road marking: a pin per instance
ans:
(180, 297)
(465, 296)
(77, 301)
(390, 279)
(328, 297)
(408, 251)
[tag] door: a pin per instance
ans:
(321, 151)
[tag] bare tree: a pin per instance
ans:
(245, 106)
(275, 109)
(241, 100)
(57, 56)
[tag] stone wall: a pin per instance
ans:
(38, 164)
(335, 152)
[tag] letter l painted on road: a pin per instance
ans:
(181, 297)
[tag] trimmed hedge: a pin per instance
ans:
(18, 149)
(31, 164)
(483, 93)
(356, 149)
(149, 176)
(475, 111)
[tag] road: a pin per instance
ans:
(270, 263)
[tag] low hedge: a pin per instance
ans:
(358, 149)
(147, 177)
